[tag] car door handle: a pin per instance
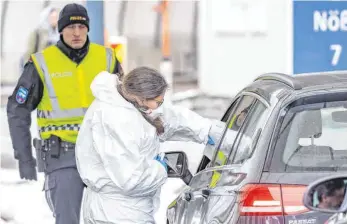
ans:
(188, 196)
(205, 193)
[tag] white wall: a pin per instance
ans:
(229, 61)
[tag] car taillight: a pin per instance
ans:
(272, 200)
(292, 196)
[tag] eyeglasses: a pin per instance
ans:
(159, 103)
(145, 108)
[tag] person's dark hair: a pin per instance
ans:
(147, 84)
(329, 188)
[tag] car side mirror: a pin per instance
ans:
(327, 195)
(177, 162)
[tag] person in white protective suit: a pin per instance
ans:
(118, 144)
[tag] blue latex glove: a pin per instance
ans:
(210, 141)
(161, 160)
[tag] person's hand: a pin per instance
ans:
(216, 132)
(160, 159)
(210, 141)
(27, 170)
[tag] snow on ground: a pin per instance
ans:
(23, 202)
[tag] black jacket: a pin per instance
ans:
(20, 106)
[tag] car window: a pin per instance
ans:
(249, 134)
(235, 121)
(209, 150)
(232, 108)
(314, 138)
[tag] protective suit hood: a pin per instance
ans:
(104, 88)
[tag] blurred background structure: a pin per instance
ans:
(138, 21)
(212, 43)
(216, 48)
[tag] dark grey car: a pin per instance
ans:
(282, 133)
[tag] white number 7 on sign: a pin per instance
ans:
(337, 48)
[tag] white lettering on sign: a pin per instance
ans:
(337, 48)
(343, 20)
(332, 20)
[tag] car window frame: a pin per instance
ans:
(231, 109)
(237, 100)
(205, 161)
(276, 163)
(245, 124)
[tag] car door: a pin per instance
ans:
(188, 207)
(246, 122)
(209, 150)
(208, 191)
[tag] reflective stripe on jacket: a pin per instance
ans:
(67, 94)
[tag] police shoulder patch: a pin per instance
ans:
(22, 95)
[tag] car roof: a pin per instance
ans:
(321, 79)
(268, 84)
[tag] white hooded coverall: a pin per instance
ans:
(115, 150)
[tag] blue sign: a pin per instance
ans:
(320, 36)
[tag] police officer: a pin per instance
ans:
(56, 82)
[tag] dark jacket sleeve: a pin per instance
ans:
(24, 99)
